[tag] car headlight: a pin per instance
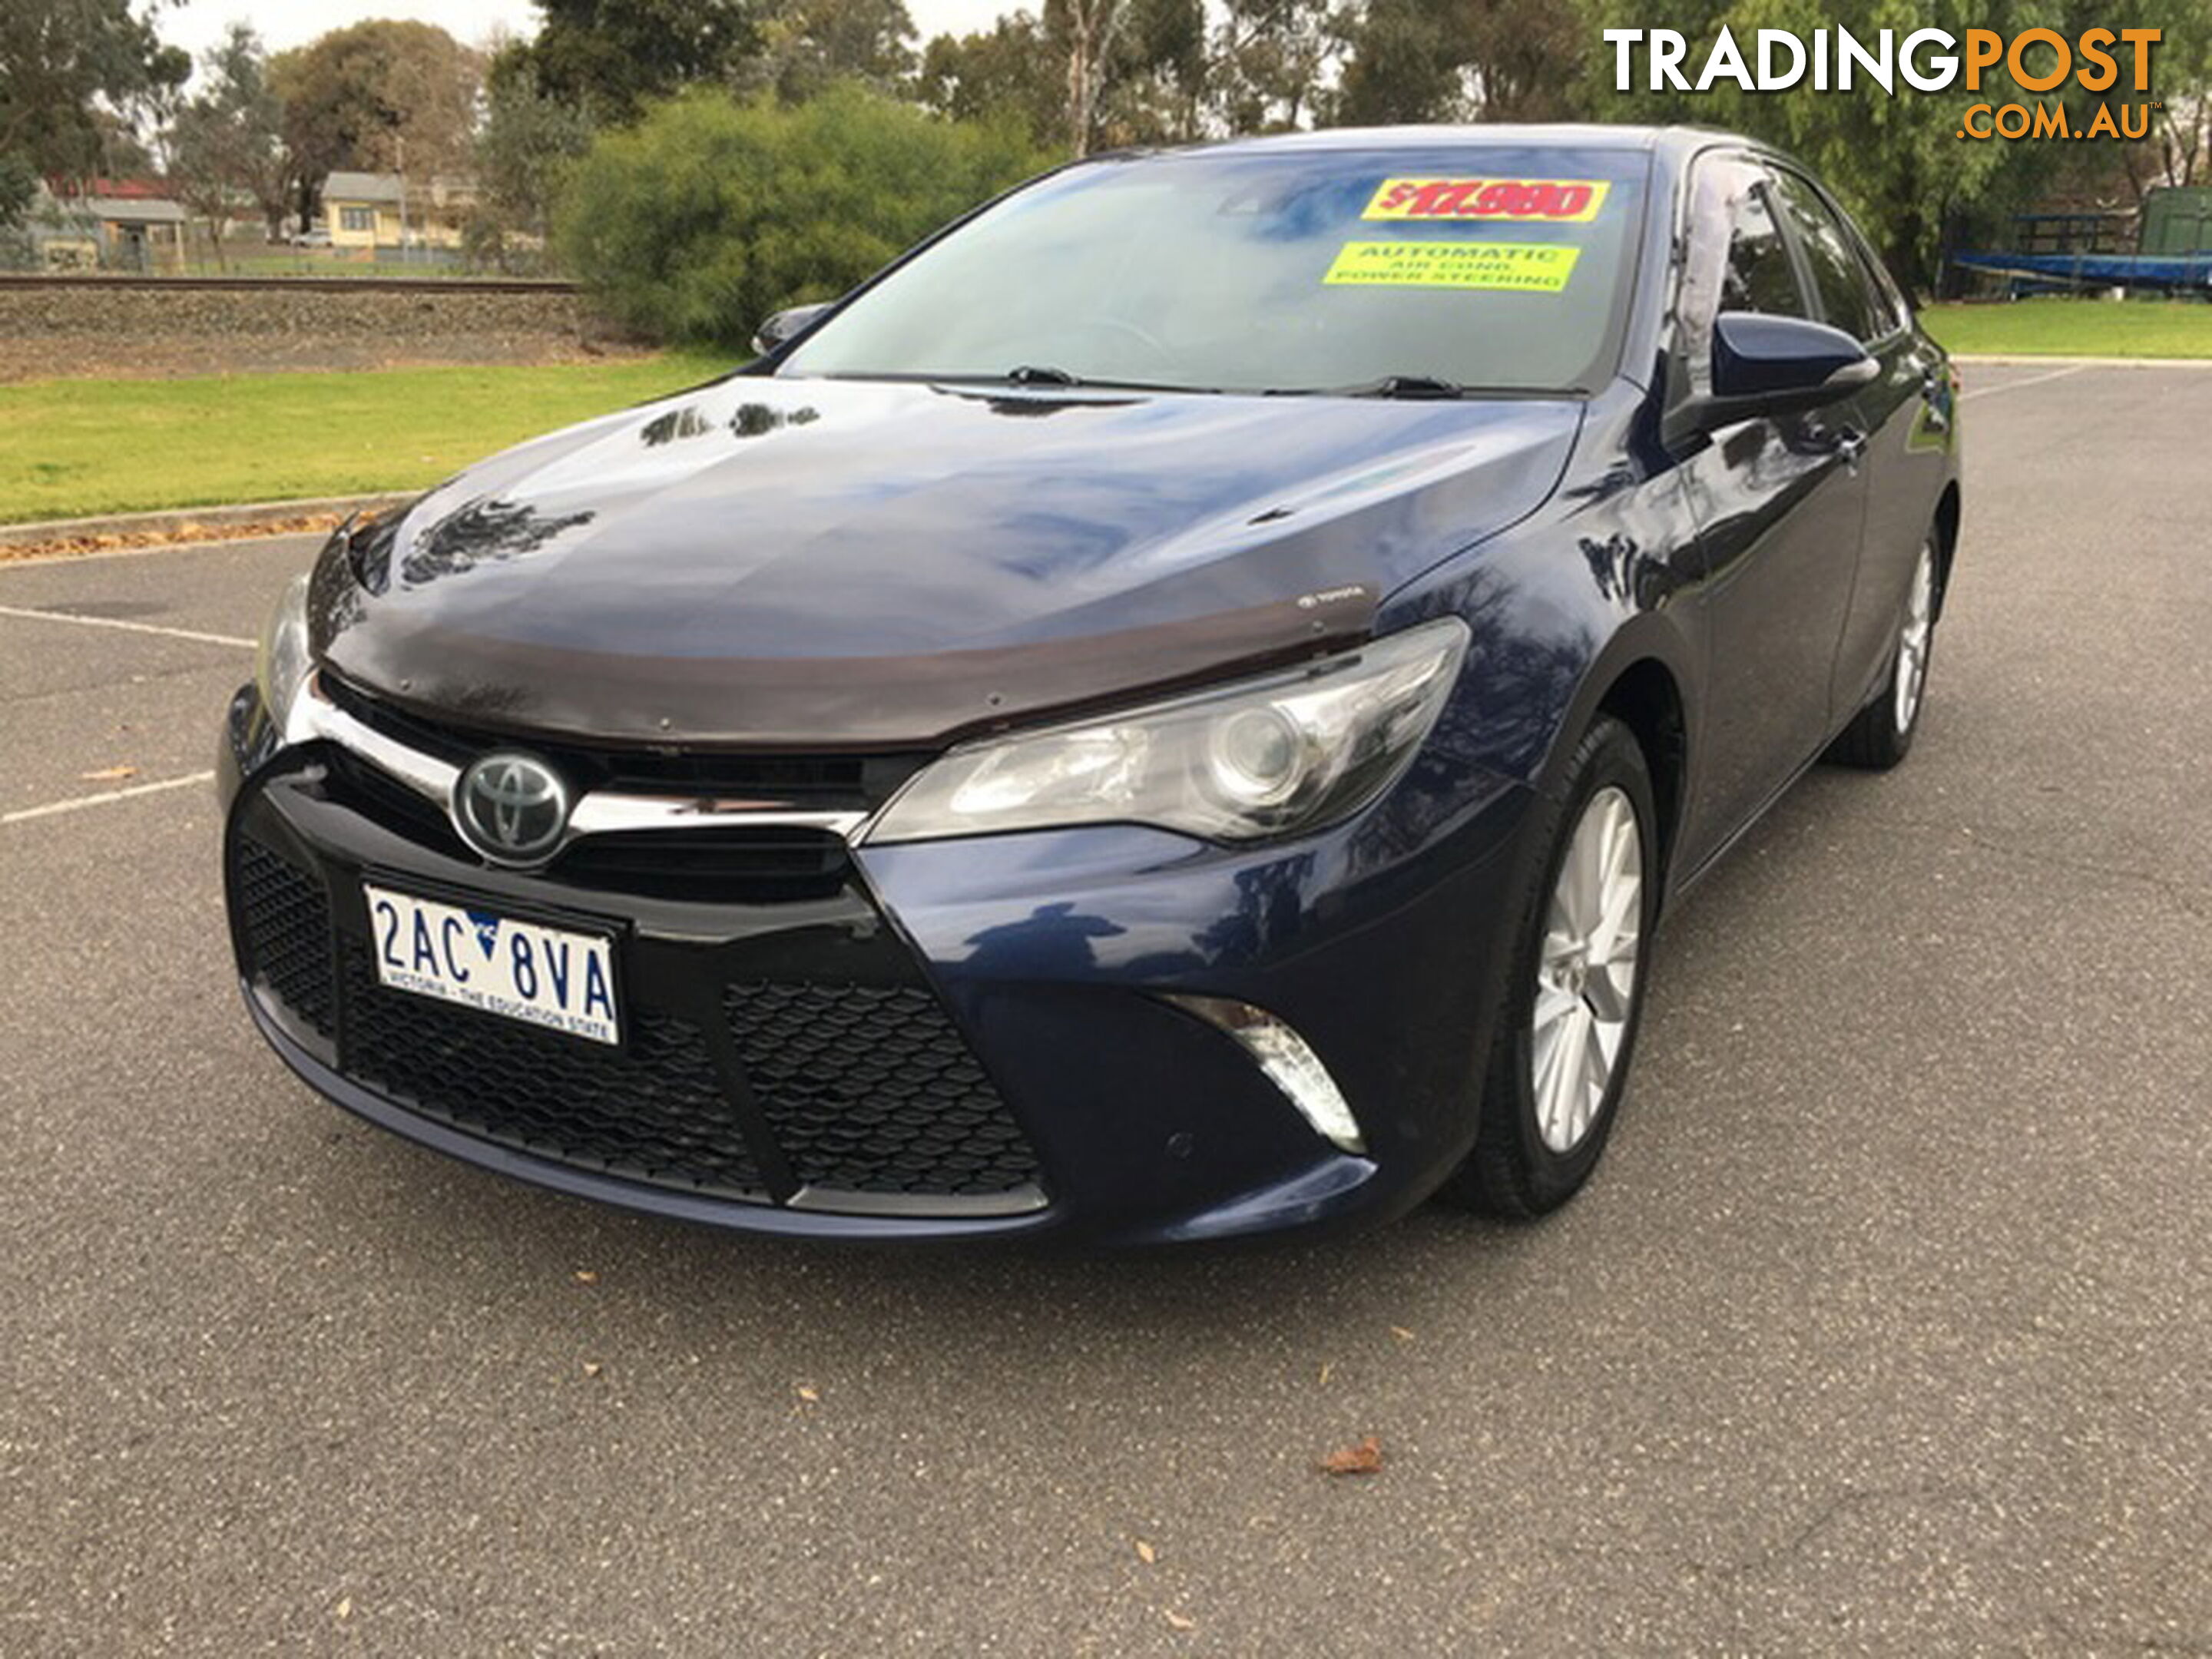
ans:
(282, 661)
(1264, 758)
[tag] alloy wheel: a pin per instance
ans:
(1912, 639)
(1586, 969)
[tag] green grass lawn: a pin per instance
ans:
(2076, 328)
(69, 448)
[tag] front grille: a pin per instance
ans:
(287, 930)
(871, 1090)
(653, 1112)
(733, 866)
(863, 1089)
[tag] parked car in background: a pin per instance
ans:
(1172, 712)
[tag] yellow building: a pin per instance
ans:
(108, 224)
(370, 210)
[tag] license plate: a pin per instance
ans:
(522, 970)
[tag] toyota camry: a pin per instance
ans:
(1173, 711)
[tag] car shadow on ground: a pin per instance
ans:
(428, 1214)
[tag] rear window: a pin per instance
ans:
(1491, 267)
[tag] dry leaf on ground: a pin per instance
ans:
(1364, 1457)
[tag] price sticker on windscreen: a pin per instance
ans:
(1529, 201)
(1507, 267)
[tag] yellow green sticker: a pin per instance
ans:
(1512, 267)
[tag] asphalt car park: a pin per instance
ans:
(1884, 1327)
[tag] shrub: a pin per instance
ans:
(710, 213)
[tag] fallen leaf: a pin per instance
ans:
(1401, 1333)
(345, 1607)
(1177, 1621)
(1147, 1553)
(592, 1368)
(1326, 1366)
(109, 774)
(812, 1396)
(585, 1276)
(1363, 1458)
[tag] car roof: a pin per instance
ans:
(1671, 143)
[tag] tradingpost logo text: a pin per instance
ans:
(1924, 60)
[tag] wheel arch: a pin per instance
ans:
(1645, 697)
(1947, 540)
(1639, 679)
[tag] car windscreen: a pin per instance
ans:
(1488, 267)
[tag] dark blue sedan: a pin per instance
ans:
(1171, 712)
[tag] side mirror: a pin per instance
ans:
(1766, 365)
(787, 326)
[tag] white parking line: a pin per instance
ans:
(128, 627)
(25, 814)
(2033, 380)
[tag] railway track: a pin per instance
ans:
(327, 284)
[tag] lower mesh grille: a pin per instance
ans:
(287, 931)
(864, 1090)
(653, 1112)
(872, 1090)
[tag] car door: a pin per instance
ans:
(1779, 502)
(1905, 413)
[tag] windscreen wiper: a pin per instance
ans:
(1044, 374)
(1401, 386)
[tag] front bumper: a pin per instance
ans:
(955, 1040)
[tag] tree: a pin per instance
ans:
(1086, 74)
(64, 65)
(1006, 73)
(813, 42)
(380, 96)
(1154, 76)
(530, 144)
(1088, 27)
(226, 145)
(609, 57)
(2179, 148)
(1269, 63)
(711, 211)
(1429, 60)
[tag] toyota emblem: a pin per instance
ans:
(511, 808)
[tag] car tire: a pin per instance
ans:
(1881, 734)
(1566, 1004)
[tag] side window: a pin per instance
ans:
(1759, 276)
(1736, 260)
(1849, 299)
(1895, 313)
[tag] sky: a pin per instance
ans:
(196, 25)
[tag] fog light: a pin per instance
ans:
(1287, 1062)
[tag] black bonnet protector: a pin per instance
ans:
(842, 564)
